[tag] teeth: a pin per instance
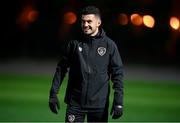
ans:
(86, 28)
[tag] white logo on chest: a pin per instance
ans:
(101, 51)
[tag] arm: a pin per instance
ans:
(59, 75)
(116, 70)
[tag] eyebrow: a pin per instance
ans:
(86, 20)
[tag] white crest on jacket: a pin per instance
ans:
(101, 51)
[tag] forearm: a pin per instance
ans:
(57, 79)
(118, 93)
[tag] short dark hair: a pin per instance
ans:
(91, 10)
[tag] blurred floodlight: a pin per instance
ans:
(123, 19)
(174, 23)
(148, 21)
(27, 15)
(32, 15)
(70, 18)
(136, 19)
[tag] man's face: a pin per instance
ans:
(90, 24)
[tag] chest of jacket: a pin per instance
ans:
(89, 72)
(91, 56)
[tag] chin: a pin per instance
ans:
(87, 33)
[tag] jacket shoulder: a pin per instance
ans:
(111, 43)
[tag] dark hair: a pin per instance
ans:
(91, 10)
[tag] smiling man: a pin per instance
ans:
(93, 60)
(90, 24)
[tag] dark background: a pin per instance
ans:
(42, 38)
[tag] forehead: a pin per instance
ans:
(88, 17)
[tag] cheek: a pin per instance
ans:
(94, 25)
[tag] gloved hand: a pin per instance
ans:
(54, 103)
(116, 111)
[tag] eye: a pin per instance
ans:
(89, 21)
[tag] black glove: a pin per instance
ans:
(116, 111)
(54, 103)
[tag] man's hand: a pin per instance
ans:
(116, 111)
(54, 103)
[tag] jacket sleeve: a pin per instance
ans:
(116, 71)
(61, 69)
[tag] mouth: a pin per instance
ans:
(86, 28)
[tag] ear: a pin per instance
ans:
(99, 22)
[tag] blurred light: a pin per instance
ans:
(174, 23)
(32, 15)
(70, 18)
(123, 19)
(148, 21)
(136, 19)
(28, 15)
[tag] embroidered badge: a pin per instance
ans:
(71, 118)
(101, 51)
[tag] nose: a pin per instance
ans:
(85, 24)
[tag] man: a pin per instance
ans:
(92, 60)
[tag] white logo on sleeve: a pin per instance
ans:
(80, 49)
(71, 118)
(101, 51)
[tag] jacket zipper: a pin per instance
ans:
(89, 69)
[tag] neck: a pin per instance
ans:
(95, 33)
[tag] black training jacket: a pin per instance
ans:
(92, 62)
